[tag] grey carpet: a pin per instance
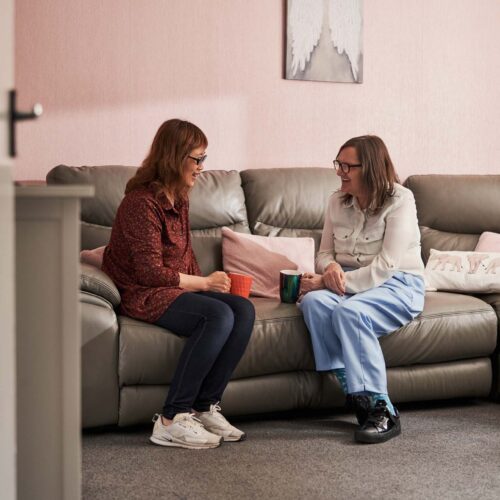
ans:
(446, 451)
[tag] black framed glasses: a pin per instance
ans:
(198, 160)
(345, 167)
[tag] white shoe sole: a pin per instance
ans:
(181, 444)
(234, 439)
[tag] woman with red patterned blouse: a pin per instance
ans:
(151, 261)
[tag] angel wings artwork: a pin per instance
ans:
(325, 40)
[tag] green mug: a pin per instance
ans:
(289, 285)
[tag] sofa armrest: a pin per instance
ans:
(100, 390)
(97, 282)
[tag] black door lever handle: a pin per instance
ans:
(15, 116)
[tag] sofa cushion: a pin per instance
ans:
(109, 182)
(279, 343)
(288, 201)
(263, 257)
(93, 235)
(464, 204)
(93, 256)
(444, 241)
(217, 201)
(488, 242)
(451, 327)
(472, 272)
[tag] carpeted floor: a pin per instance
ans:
(446, 451)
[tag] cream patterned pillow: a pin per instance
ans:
(477, 272)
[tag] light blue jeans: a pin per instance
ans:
(345, 329)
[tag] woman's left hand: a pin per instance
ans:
(310, 282)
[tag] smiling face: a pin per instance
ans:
(352, 182)
(191, 170)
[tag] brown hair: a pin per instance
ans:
(378, 173)
(163, 168)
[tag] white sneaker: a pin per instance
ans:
(186, 431)
(216, 423)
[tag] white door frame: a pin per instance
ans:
(8, 455)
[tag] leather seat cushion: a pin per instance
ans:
(451, 327)
(279, 343)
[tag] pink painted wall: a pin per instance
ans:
(109, 72)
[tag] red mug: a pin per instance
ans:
(240, 284)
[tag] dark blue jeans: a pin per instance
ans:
(218, 327)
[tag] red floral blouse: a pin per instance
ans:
(150, 245)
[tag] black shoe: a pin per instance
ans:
(381, 425)
(360, 405)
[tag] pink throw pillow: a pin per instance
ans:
(488, 242)
(92, 257)
(263, 257)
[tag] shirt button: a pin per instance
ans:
(366, 238)
(345, 236)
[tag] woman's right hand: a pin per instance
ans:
(334, 278)
(218, 281)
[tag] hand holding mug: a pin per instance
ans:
(311, 282)
(218, 281)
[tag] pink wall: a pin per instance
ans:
(109, 72)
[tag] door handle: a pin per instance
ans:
(16, 116)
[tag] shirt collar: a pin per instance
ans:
(352, 202)
(167, 204)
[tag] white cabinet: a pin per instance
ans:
(48, 341)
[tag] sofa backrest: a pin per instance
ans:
(216, 200)
(279, 202)
(97, 213)
(288, 201)
(453, 210)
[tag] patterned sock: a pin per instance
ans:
(340, 374)
(375, 396)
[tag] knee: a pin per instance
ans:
(221, 316)
(315, 303)
(347, 313)
(244, 309)
(244, 318)
(310, 301)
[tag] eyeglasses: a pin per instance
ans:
(345, 167)
(199, 160)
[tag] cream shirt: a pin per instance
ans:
(377, 246)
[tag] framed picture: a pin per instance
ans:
(324, 40)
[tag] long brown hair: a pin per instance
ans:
(378, 173)
(163, 168)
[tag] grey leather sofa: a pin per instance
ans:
(127, 365)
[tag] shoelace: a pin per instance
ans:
(380, 415)
(190, 421)
(215, 408)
